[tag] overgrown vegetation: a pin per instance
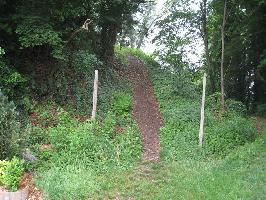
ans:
(186, 23)
(225, 167)
(9, 128)
(10, 173)
(48, 54)
(179, 100)
(87, 148)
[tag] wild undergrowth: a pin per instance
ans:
(74, 151)
(81, 158)
(179, 96)
(179, 136)
(228, 166)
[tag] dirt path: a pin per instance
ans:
(145, 110)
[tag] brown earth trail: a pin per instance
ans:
(145, 109)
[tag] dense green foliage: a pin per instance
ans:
(244, 47)
(231, 132)
(10, 173)
(10, 78)
(180, 133)
(68, 182)
(228, 166)
(79, 151)
(52, 47)
(179, 136)
(49, 51)
(187, 24)
(122, 103)
(9, 128)
(122, 54)
(48, 26)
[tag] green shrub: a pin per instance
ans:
(179, 100)
(233, 107)
(36, 135)
(109, 123)
(109, 87)
(79, 82)
(10, 173)
(2, 51)
(179, 136)
(84, 61)
(227, 134)
(213, 102)
(83, 150)
(236, 107)
(9, 128)
(184, 87)
(31, 35)
(121, 103)
(11, 81)
(60, 135)
(261, 110)
(96, 142)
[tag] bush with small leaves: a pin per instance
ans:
(236, 107)
(10, 173)
(227, 134)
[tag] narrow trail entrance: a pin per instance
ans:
(145, 110)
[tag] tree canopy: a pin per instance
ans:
(188, 22)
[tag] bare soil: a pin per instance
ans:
(145, 109)
(34, 192)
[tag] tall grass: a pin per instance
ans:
(240, 175)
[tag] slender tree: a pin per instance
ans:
(222, 60)
(205, 36)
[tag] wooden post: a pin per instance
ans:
(201, 131)
(95, 90)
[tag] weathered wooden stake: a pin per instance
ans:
(201, 131)
(95, 90)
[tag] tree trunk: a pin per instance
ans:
(206, 44)
(222, 61)
(108, 40)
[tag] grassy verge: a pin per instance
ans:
(239, 176)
